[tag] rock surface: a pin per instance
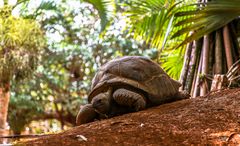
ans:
(213, 119)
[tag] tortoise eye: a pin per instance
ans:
(99, 100)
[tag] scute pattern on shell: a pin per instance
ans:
(136, 71)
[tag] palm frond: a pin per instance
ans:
(106, 10)
(44, 5)
(207, 18)
(20, 2)
(151, 20)
(172, 62)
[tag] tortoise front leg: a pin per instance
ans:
(86, 114)
(129, 98)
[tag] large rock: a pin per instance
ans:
(214, 119)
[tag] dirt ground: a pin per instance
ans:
(213, 119)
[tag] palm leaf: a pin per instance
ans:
(44, 5)
(207, 19)
(151, 20)
(171, 62)
(154, 20)
(106, 10)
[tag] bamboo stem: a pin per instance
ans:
(205, 67)
(195, 57)
(185, 68)
(211, 55)
(196, 48)
(196, 88)
(235, 41)
(228, 46)
(194, 82)
(198, 63)
(218, 53)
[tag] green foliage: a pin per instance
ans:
(22, 110)
(172, 62)
(106, 10)
(74, 52)
(38, 11)
(151, 20)
(75, 49)
(21, 44)
(206, 18)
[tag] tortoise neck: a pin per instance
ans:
(110, 91)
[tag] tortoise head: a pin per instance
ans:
(101, 102)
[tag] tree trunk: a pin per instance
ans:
(235, 41)
(185, 68)
(196, 87)
(4, 100)
(192, 65)
(218, 54)
(220, 50)
(205, 67)
(228, 46)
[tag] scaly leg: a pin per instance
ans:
(129, 98)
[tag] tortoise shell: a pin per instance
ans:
(138, 72)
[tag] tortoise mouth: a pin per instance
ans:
(97, 105)
(100, 108)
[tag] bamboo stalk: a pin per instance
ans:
(205, 67)
(224, 62)
(198, 63)
(191, 69)
(196, 88)
(218, 53)
(228, 46)
(211, 54)
(235, 41)
(192, 65)
(194, 82)
(185, 68)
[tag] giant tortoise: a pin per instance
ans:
(128, 84)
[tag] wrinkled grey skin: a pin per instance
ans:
(99, 108)
(86, 114)
(108, 104)
(101, 102)
(104, 105)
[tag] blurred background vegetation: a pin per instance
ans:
(74, 51)
(80, 36)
